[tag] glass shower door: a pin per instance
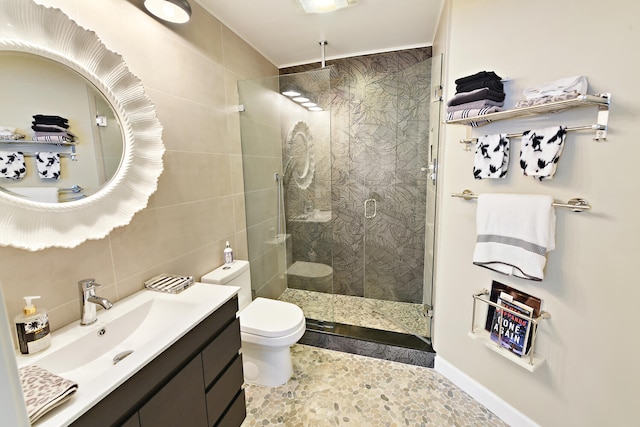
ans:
(397, 151)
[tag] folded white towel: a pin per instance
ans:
(515, 232)
(7, 130)
(557, 87)
(540, 151)
(492, 156)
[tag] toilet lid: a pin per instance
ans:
(270, 318)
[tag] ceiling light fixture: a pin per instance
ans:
(301, 99)
(176, 11)
(324, 6)
(291, 93)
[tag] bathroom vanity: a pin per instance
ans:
(185, 367)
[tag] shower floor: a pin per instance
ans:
(358, 311)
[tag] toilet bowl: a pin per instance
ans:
(268, 328)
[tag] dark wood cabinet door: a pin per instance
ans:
(179, 403)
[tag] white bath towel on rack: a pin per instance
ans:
(515, 232)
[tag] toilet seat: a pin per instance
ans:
(271, 318)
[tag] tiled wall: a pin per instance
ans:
(379, 129)
(190, 74)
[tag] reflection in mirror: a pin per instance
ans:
(119, 176)
(48, 172)
(300, 155)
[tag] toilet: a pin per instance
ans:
(268, 328)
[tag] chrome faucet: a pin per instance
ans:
(88, 301)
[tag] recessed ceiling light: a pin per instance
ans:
(309, 104)
(291, 93)
(301, 99)
(323, 6)
(315, 108)
(176, 11)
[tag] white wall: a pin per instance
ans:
(590, 286)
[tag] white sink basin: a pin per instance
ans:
(141, 326)
(92, 353)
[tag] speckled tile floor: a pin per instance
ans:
(350, 310)
(331, 388)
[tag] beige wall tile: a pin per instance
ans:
(190, 126)
(241, 58)
(190, 73)
(189, 177)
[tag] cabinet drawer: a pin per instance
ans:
(236, 413)
(224, 390)
(220, 352)
(120, 404)
(179, 402)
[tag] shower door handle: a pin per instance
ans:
(366, 208)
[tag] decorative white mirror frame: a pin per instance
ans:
(28, 27)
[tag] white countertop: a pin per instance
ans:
(103, 377)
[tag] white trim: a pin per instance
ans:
(12, 406)
(492, 402)
(356, 54)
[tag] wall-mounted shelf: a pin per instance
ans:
(30, 147)
(602, 100)
(530, 362)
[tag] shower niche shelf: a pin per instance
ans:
(532, 361)
(601, 100)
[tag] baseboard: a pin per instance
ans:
(483, 395)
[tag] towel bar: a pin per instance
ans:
(576, 204)
(596, 127)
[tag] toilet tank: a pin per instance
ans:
(235, 274)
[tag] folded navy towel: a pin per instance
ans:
(49, 120)
(476, 95)
(481, 75)
(60, 125)
(478, 84)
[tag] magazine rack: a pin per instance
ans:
(530, 362)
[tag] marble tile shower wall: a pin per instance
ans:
(379, 130)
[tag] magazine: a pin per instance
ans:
(509, 330)
(519, 296)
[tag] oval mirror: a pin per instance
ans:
(92, 153)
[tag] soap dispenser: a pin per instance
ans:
(228, 254)
(33, 328)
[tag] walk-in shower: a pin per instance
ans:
(339, 197)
